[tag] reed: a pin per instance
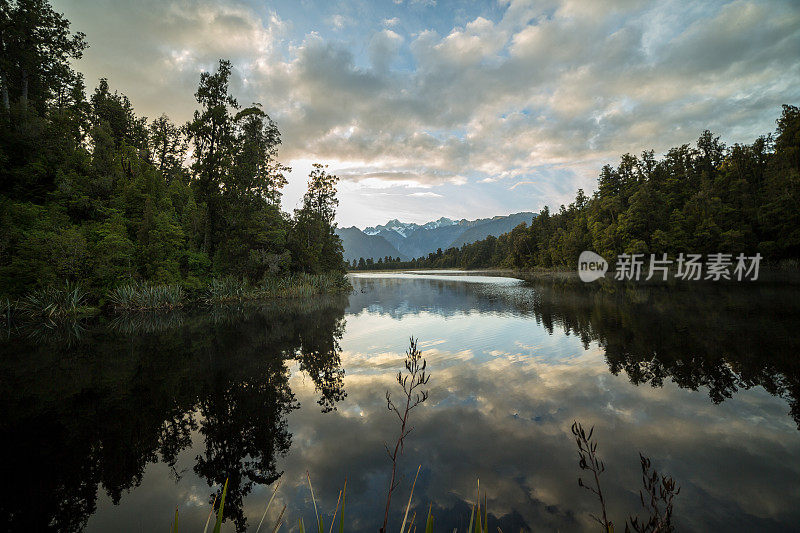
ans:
(291, 286)
(142, 296)
(656, 497)
(229, 290)
(53, 302)
(305, 285)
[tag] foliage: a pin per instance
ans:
(143, 296)
(298, 285)
(414, 378)
(587, 452)
(53, 301)
(92, 193)
(660, 489)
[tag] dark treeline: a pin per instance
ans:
(91, 192)
(704, 199)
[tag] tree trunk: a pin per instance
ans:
(24, 97)
(6, 103)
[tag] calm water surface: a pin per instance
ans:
(109, 426)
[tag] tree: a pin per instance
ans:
(314, 244)
(213, 136)
(167, 146)
(36, 47)
(257, 172)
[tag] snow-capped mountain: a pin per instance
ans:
(403, 228)
(407, 228)
(444, 221)
(408, 240)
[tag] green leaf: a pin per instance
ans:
(429, 521)
(478, 527)
(218, 525)
(485, 515)
(405, 517)
(341, 516)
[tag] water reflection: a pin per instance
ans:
(723, 338)
(160, 409)
(97, 409)
(720, 337)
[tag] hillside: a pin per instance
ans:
(424, 241)
(358, 244)
(409, 240)
(496, 226)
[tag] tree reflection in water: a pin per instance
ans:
(81, 411)
(94, 404)
(724, 337)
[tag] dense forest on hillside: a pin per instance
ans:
(92, 193)
(709, 198)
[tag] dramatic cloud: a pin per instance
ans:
(495, 94)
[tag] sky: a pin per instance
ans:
(430, 108)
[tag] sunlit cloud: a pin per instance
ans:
(497, 93)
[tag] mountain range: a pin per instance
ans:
(408, 240)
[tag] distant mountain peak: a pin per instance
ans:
(443, 221)
(409, 240)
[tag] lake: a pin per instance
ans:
(111, 424)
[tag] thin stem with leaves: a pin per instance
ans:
(588, 460)
(411, 381)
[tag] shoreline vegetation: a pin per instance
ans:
(72, 301)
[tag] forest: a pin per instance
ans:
(707, 198)
(92, 193)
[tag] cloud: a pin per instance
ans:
(338, 21)
(553, 89)
(425, 195)
(383, 47)
(517, 184)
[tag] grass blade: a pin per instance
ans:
(341, 516)
(485, 514)
(210, 513)
(429, 521)
(218, 525)
(333, 519)
(300, 524)
(314, 500)
(478, 527)
(280, 520)
(274, 492)
(405, 516)
(175, 527)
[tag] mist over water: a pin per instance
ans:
(112, 427)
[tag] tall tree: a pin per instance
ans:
(257, 173)
(36, 46)
(213, 136)
(314, 245)
(167, 146)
